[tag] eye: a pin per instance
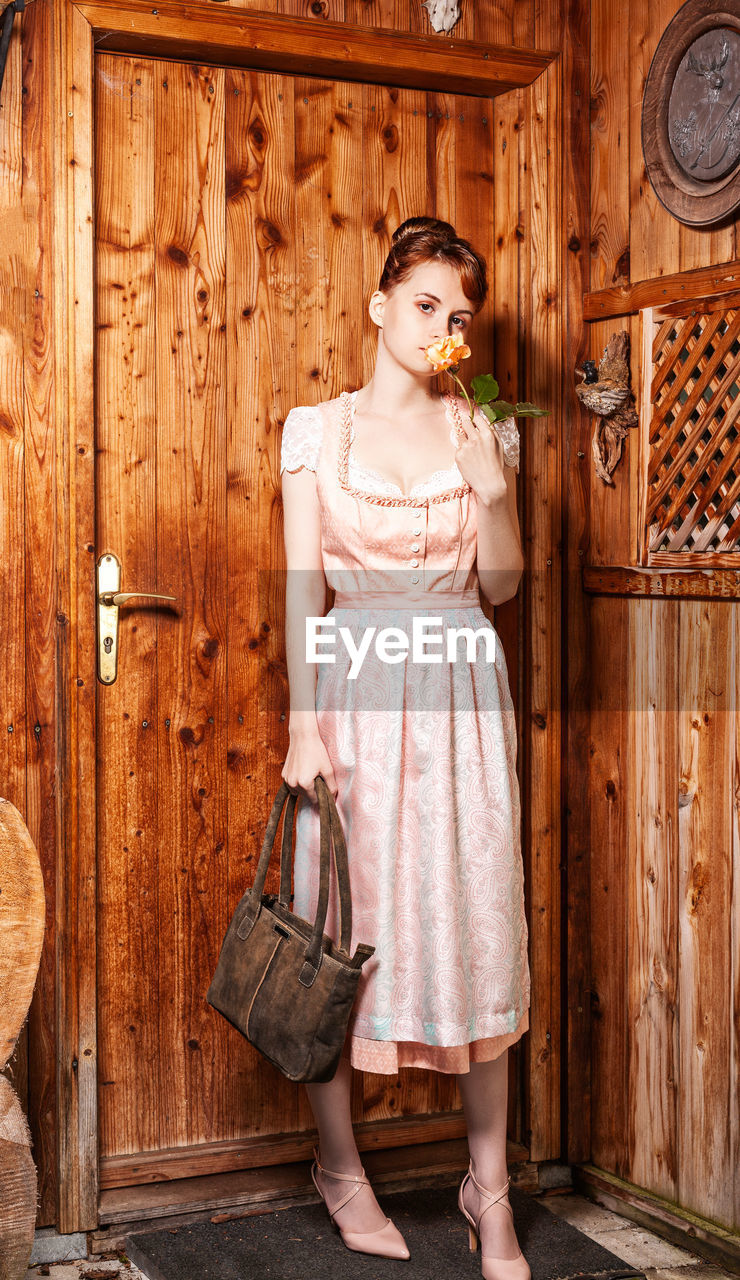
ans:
(461, 321)
(426, 304)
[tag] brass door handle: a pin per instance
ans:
(109, 598)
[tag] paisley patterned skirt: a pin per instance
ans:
(424, 755)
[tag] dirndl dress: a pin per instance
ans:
(421, 733)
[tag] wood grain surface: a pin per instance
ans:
(665, 852)
(652, 897)
(267, 41)
(232, 230)
(74, 1070)
(707, 762)
(683, 286)
(236, 213)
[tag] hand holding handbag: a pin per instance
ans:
(280, 980)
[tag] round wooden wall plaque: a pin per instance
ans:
(691, 113)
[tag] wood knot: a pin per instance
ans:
(390, 138)
(190, 737)
(177, 255)
(622, 267)
(271, 233)
(697, 888)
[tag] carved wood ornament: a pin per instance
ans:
(606, 392)
(691, 113)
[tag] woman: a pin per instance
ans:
(404, 505)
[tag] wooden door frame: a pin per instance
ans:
(196, 31)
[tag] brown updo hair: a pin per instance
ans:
(431, 240)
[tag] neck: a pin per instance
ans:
(393, 390)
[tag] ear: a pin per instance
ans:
(376, 308)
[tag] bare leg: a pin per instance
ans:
(484, 1094)
(330, 1104)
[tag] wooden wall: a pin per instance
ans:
(665, 755)
(539, 199)
(29, 624)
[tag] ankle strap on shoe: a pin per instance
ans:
(360, 1181)
(493, 1197)
(346, 1177)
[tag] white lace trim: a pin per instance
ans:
(301, 445)
(508, 434)
(301, 440)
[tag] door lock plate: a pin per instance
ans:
(108, 582)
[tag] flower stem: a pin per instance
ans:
(467, 397)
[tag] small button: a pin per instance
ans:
(414, 564)
(416, 532)
(414, 579)
(414, 546)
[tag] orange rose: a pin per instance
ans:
(446, 353)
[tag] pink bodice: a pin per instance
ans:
(411, 546)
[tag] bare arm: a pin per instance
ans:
(499, 543)
(305, 596)
(500, 560)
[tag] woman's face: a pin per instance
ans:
(427, 305)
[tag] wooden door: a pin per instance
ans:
(235, 215)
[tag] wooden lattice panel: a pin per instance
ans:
(691, 435)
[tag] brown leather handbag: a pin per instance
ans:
(281, 980)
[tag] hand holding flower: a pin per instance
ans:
(480, 460)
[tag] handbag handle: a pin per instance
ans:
(332, 838)
(332, 834)
(286, 852)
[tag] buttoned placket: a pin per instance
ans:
(417, 530)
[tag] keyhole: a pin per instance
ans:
(108, 643)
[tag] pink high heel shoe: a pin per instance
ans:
(492, 1268)
(386, 1242)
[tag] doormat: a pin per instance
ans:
(300, 1243)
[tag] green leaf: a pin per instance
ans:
(525, 410)
(484, 388)
(499, 410)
